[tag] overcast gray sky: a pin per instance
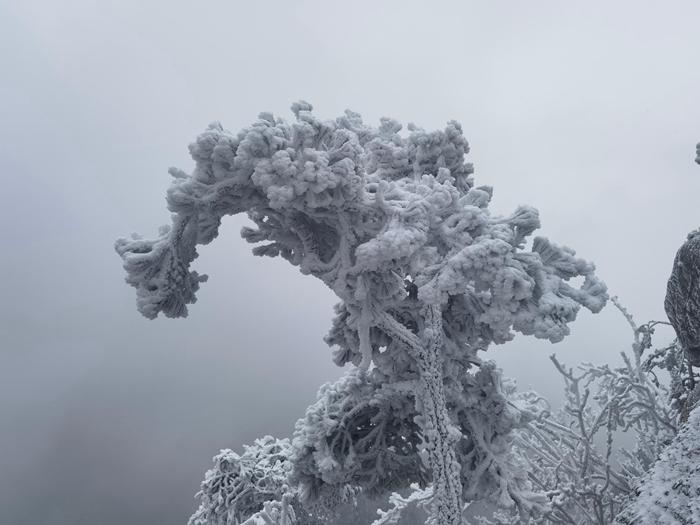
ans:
(586, 110)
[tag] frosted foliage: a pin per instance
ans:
(238, 485)
(355, 205)
(670, 492)
(359, 435)
(419, 498)
(362, 435)
(274, 513)
(426, 277)
(575, 457)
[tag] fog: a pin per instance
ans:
(584, 110)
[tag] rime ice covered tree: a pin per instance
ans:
(426, 278)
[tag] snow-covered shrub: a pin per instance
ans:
(359, 436)
(238, 486)
(426, 278)
(571, 455)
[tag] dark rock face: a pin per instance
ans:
(683, 297)
(693, 355)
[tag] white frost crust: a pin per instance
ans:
(669, 493)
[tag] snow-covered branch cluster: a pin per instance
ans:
(238, 486)
(359, 436)
(572, 457)
(426, 278)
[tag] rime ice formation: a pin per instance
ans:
(579, 457)
(425, 275)
(670, 492)
(683, 297)
(238, 485)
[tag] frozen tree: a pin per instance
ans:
(392, 223)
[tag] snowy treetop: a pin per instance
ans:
(377, 215)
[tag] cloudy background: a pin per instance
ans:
(586, 110)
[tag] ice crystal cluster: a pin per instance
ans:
(426, 278)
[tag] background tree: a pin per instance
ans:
(238, 485)
(580, 456)
(426, 277)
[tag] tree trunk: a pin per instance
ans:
(438, 430)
